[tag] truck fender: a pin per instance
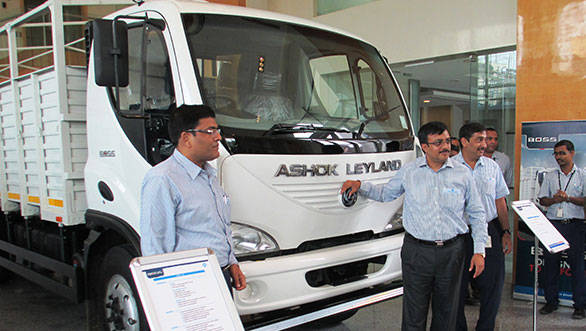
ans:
(106, 231)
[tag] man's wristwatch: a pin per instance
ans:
(506, 231)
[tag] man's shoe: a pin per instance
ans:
(578, 313)
(548, 309)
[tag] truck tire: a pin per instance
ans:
(121, 308)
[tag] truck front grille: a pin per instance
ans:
(323, 196)
(345, 273)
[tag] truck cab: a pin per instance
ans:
(302, 108)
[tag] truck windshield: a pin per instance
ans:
(281, 88)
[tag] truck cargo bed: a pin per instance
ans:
(43, 145)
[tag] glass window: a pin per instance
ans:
(333, 90)
(373, 93)
(493, 95)
(458, 89)
(153, 90)
(130, 95)
(329, 6)
(258, 73)
(159, 93)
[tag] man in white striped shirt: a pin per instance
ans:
(493, 190)
(182, 204)
(437, 192)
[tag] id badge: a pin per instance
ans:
(489, 243)
(560, 213)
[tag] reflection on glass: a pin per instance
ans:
(493, 94)
(471, 87)
(274, 79)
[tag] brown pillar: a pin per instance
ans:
(551, 65)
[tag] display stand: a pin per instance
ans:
(543, 231)
(184, 290)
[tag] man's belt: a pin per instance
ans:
(568, 220)
(435, 242)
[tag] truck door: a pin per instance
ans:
(145, 102)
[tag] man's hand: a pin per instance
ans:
(238, 276)
(354, 185)
(477, 264)
(507, 243)
(560, 196)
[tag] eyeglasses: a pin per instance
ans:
(439, 142)
(211, 132)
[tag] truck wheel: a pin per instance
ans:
(121, 306)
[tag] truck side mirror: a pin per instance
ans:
(105, 54)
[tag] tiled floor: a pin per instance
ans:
(513, 315)
(26, 306)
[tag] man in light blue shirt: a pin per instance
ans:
(493, 190)
(562, 192)
(437, 192)
(502, 159)
(182, 204)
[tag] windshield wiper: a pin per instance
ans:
(283, 128)
(376, 118)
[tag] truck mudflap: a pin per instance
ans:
(287, 318)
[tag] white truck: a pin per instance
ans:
(303, 107)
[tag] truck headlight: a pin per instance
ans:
(248, 240)
(396, 221)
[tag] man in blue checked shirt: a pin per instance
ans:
(182, 204)
(437, 192)
(493, 190)
(562, 192)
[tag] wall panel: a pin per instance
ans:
(551, 66)
(551, 63)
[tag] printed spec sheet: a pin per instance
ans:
(187, 296)
(540, 225)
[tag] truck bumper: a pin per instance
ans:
(280, 282)
(329, 307)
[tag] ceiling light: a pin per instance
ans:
(418, 64)
(451, 95)
(426, 101)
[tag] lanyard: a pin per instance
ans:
(568, 183)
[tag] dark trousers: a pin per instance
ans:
(431, 273)
(490, 282)
(574, 234)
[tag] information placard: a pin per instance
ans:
(184, 291)
(549, 236)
